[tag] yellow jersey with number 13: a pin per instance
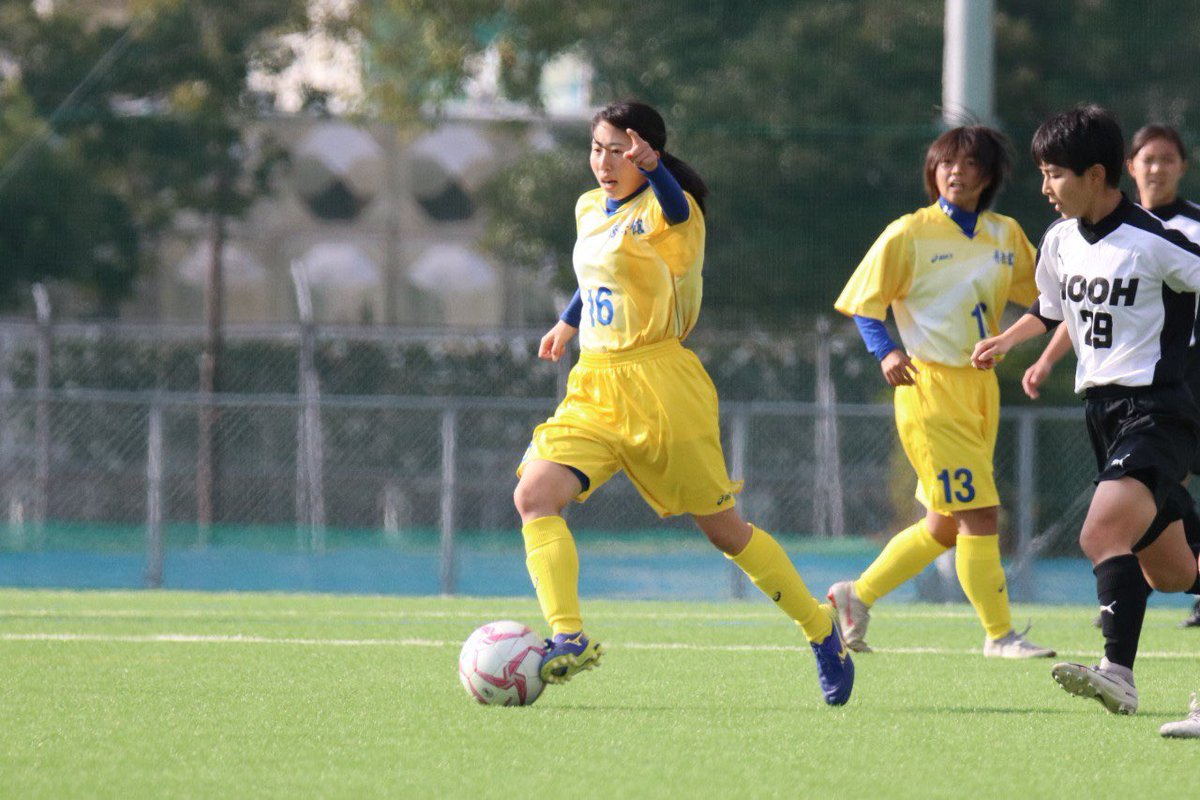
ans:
(639, 277)
(946, 290)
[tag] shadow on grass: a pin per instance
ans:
(648, 709)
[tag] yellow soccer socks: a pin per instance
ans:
(770, 569)
(977, 563)
(909, 551)
(553, 565)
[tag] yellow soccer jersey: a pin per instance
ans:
(946, 290)
(639, 277)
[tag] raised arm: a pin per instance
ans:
(664, 185)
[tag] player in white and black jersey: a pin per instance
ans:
(1157, 162)
(1123, 284)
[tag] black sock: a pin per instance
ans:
(1120, 586)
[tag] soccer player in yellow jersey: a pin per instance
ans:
(947, 271)
(640, 401)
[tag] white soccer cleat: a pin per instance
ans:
(1103, 682)
(1186, 728)
(1015, 645)
(853, 615)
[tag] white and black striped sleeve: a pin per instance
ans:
(1048, 305)
(1180, 260)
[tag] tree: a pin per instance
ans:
(808, 119)
(60, 220)
(766, 100)
(157, 110)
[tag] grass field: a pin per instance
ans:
(201, 695)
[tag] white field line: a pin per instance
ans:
(187, 638)
(481, 614)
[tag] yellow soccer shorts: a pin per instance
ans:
(947, 423)
(652, 412)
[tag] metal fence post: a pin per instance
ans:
(41, 474)
(449, 452)
(1026, 495)
(155, 550)
(739, 434)
(310, 492)
(828, 504)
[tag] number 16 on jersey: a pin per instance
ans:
(599, 305)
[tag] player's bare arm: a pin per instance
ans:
(987, 351)
(1035, 376)
(898, 369)
(554, 343)
(642, 155)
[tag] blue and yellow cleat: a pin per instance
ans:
(835, 668)
(568, 654)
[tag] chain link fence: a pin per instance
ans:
(99, 439)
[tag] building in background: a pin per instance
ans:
(387, 220)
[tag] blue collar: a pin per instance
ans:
(964, 219)
(611, 206)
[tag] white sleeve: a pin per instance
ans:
(1180, 261)
(1049, 282)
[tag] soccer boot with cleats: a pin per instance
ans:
(1186, 728)
(568, 654)
(1108, 683)
(1015, 645)
(853, 615)
(835, 668)
(1193, 619)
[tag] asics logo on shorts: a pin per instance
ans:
(1120, 462)
(1109, 608)
(727, 496)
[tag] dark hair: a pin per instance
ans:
(650, 126)
(1079, 138)
(989, 147)
(1149, 133)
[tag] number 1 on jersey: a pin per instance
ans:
(977, 312)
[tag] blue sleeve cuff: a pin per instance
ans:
(875, 335)
(574, 311)
(669, 193)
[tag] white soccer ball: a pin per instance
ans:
(499, 664)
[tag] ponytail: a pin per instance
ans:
(688, 178)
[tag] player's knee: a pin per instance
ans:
(1098, 542)
(984, 521)
(730, 536)
(532, 500)
(944, 530)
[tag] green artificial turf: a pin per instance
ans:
(124, 695)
